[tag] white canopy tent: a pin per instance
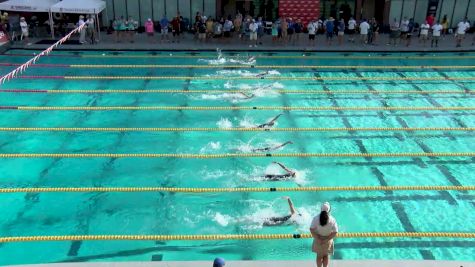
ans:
(80, 7)
(30, 6)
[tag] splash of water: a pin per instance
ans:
(211, 146)
(224, 123)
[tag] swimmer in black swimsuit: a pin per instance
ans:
(267, 149)
(262, 74)
(273, 221)
(279, 177)
(270, 123)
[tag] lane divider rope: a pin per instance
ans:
(368, 57)
(180, 91)
(236, 155)
(232, 190)
(204, 108)
(152, 129)
(232, 236)
(179, 67)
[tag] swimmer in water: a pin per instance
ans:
(247, 96)
(270, 123)
(279, 177)
(262, 74)
(267, 149)
(274, 221)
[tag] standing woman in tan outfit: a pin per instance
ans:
(324, 229)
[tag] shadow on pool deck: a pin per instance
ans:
(142, 42)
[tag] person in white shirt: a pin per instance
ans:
(82, 33)
(364, 27)
(91, 33)
(312, 31)
(462, 27)
(323, 229)
(394, 33)
(351, 29)
(25, 30)
(253, 32)
(436, 30)
(404, 28)
(424, 32)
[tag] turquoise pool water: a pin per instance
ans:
(233, 213)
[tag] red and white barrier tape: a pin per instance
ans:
(24, 66)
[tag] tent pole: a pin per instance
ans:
(51, 24)
(98, 27)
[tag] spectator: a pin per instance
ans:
(462, 27)
(219, 262)
(164, 24)
(175, 25)
(217, 30)
(228, 26)
(436, 29)
(410, 30)
(82, 32)
(116, 28)
(253, 32)
(323, 229)
(430, 20)
(122, 28)
(284, 28)
(364, 28)
(201, 31)
(260, 29)
(312, 31)
(424, 32)
(351, 29)
(404, 28)
(25, 30)
(395, 33)
(341, 31)
(132, 26)
(374, 30)
(329, 25)
(209, 27)
(197, 17)
(445, 25)
(91, 31)
(275, 32)
(298, 28)
(149, 29)
(290, 30)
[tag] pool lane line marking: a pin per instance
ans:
(218, 108)
(234, 189)
(180, 91)
(49, 238)
(137, 66)
(153, 129)
(236, 155)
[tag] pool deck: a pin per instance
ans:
(336, 263)
(142, 42)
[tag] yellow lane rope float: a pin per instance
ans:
(180, 67)
(142, 129)
(172, 91)
(232, 236)
(237, 155)
(204, 108)
(310, 78)
(231, 190)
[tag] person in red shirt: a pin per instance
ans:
(430, 19)
(176, 29)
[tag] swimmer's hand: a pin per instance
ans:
(286, 198)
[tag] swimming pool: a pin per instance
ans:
(200, 79)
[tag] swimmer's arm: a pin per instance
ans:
(282, 145)
(291, 206)
(284, 167)
(247, 96)
(274, 119)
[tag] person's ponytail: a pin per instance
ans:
(323, 218)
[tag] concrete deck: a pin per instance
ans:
(337, 263)
(142, 42)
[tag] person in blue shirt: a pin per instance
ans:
(329, 27)
(164, 24)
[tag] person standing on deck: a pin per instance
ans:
(82, 32)
(323, 229)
